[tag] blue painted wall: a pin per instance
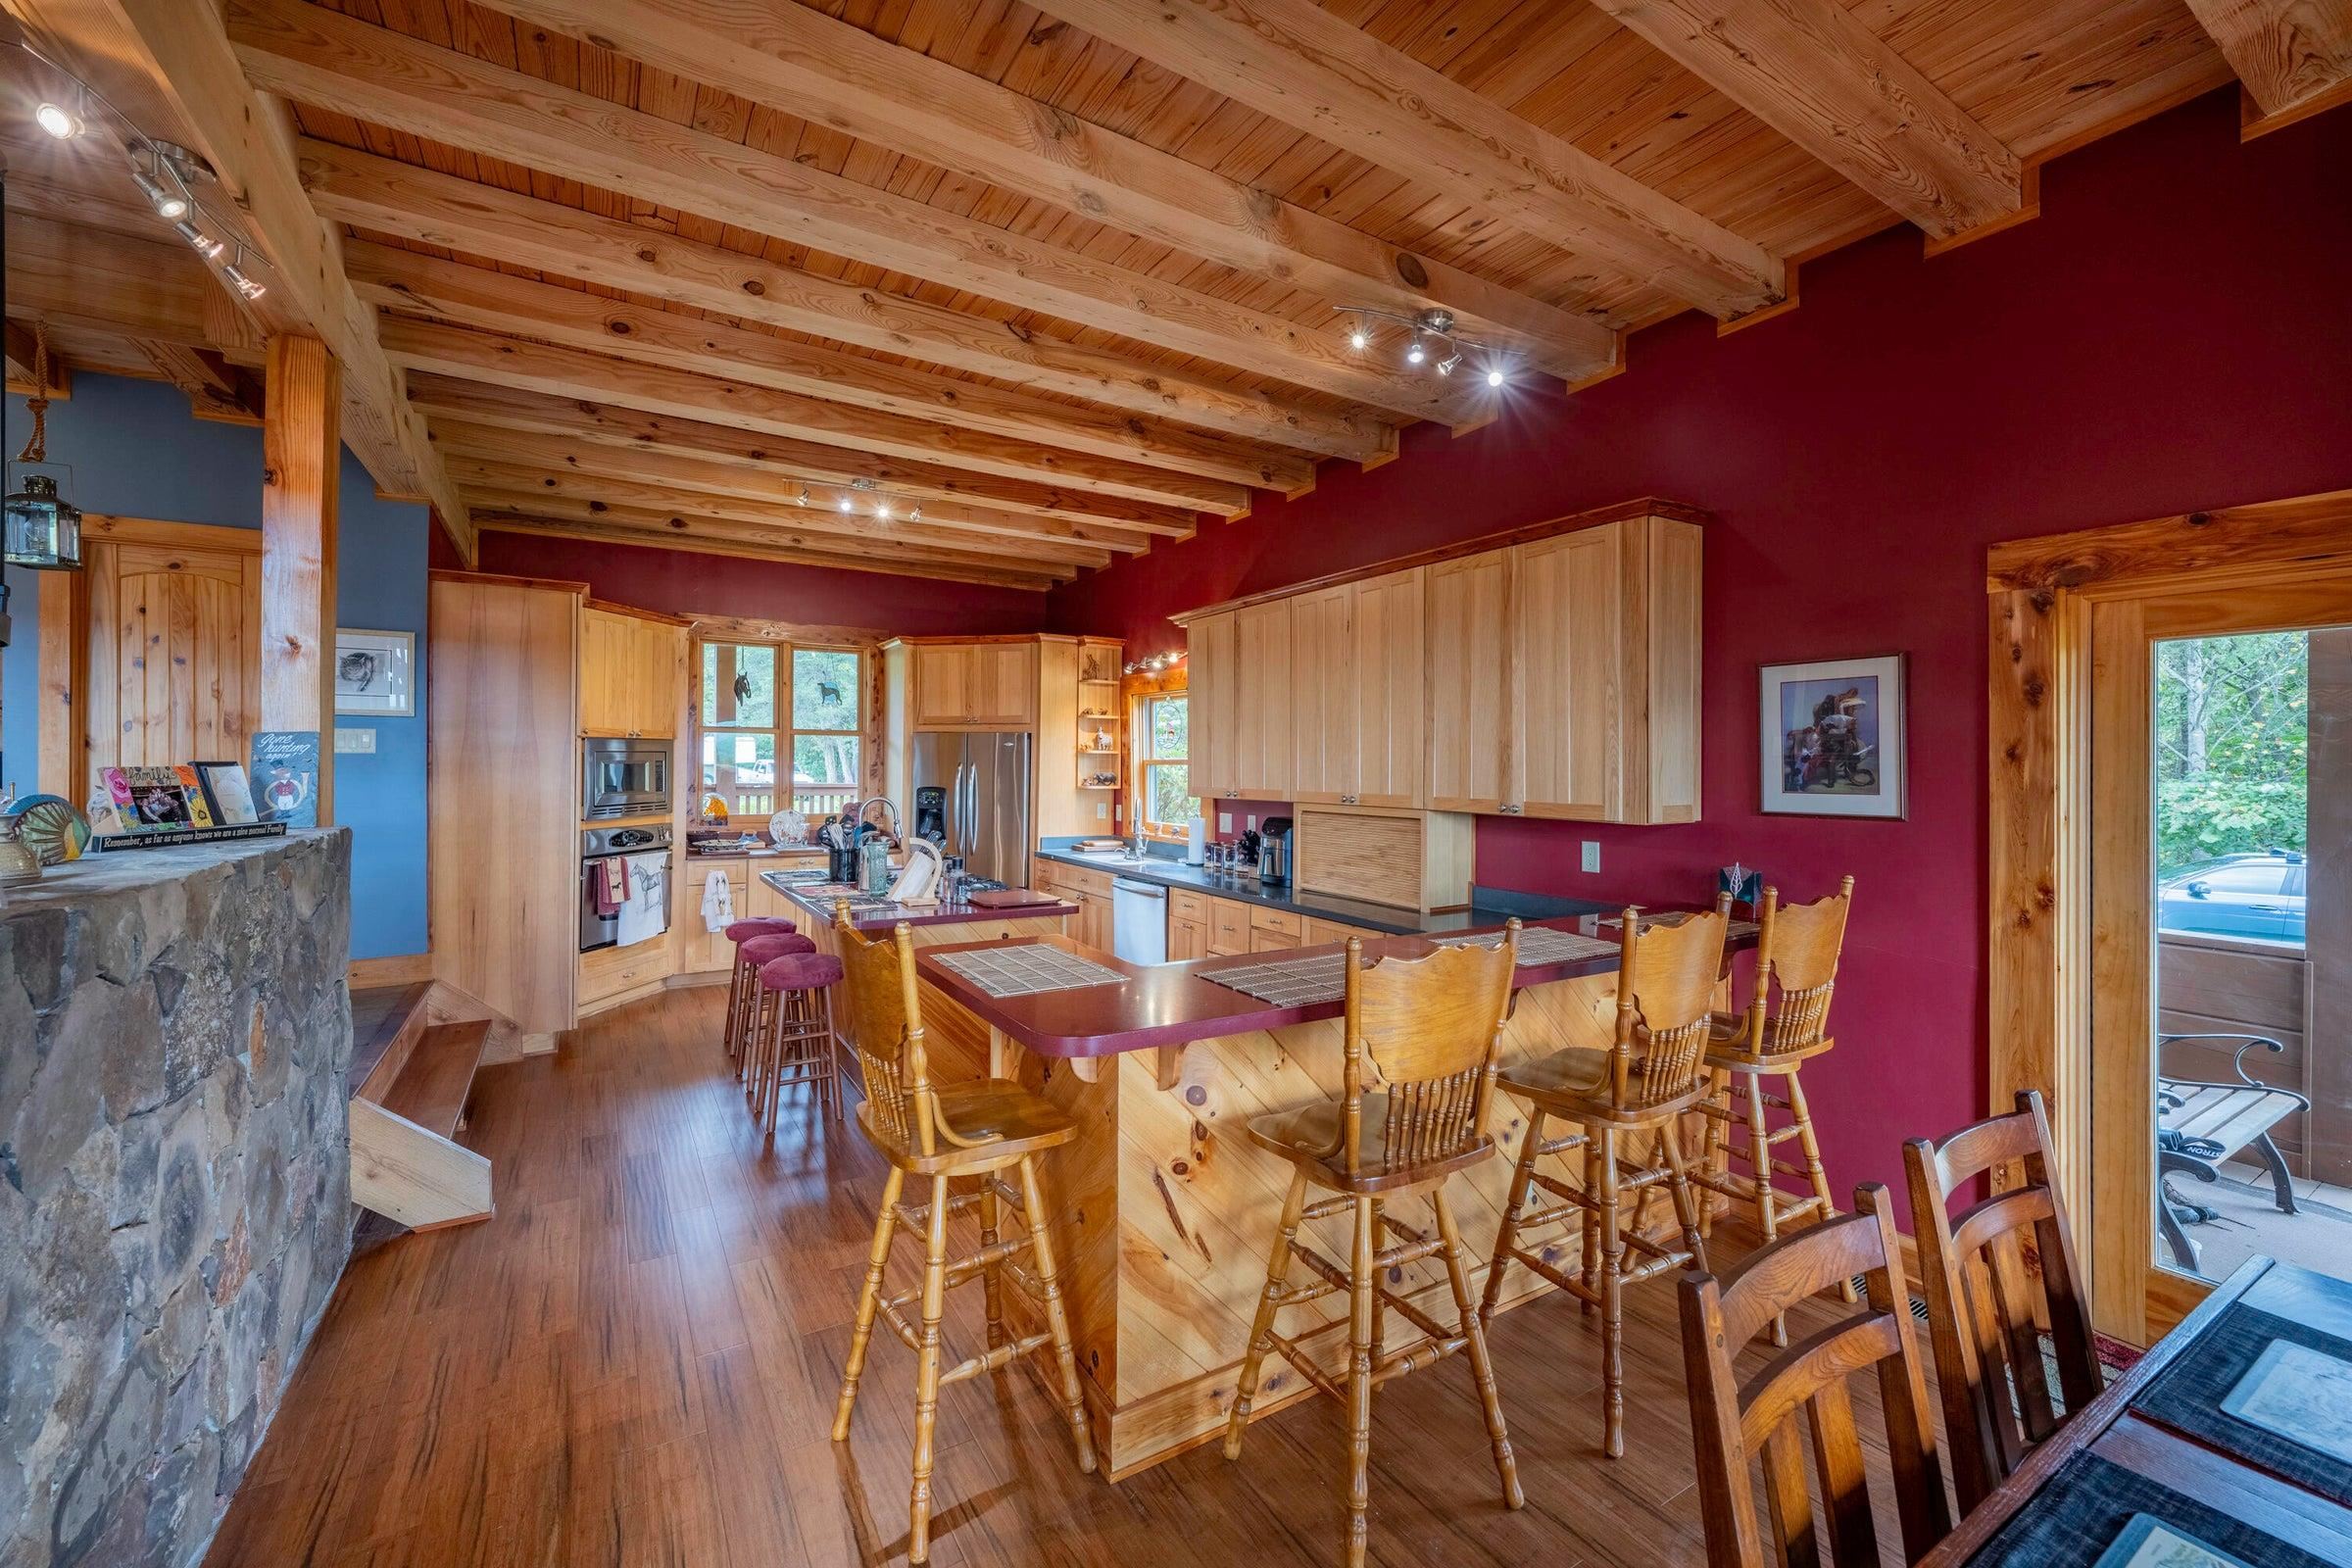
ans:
(137, 451)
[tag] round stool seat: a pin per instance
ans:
(764, 926)
(801, 971)
(766, 950)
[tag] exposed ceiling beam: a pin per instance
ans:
(584, 498)
(1310, 68)
(173, 61)
(524, 523)
(435, 209)
(1019, 429)
(837, 75)
(1813, 72)
(634, 429)
(2294, 56)
(96, 278)
(214, 388)
(686, 475)
(321, 57)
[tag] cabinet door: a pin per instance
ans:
(1386, 678)
(605, 649)
(1210, 682)
(1566, 639)
(941, 683)
(1263, 717)
(657, 689)
(1003, 684)
(1187, 939)
(1228, 927)
(1324, 694)
(1470, 709)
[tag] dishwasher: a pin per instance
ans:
(1139, 920)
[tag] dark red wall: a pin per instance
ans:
(2173, 332)
(683, 583)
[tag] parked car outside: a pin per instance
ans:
(2259, 896)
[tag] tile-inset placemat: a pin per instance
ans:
(2090, 1501)
(2199, 1394)
(1290, 982)
(1025, 971)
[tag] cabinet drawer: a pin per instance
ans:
(1262, 940)
(609, 971)
(1184, 905)
(1228, 927)
(1080, 880)
(1321, 932)
(1283, 921)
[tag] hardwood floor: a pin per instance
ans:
(634, 1362)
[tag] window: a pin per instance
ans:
(761, 702)
(1167, 803)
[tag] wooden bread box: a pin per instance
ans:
(1418, 860)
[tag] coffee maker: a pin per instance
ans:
(1274, 853)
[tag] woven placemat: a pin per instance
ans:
(1290, 982)
(1025, 971)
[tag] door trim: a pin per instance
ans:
(2051, 948)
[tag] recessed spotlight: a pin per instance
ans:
(166, 202)
(57, 120)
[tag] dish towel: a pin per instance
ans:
(606, 889)
(719, 901)
(645, 913)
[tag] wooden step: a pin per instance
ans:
(384, 1023)
(433, 1083)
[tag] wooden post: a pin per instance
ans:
(2328, 926)
(302, 453)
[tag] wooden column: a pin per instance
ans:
(301, 457)
(2328, 929)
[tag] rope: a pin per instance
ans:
(36, 445)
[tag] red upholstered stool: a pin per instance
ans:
(792, 1032)
(743, 988)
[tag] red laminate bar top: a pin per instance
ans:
(1174, 1004)
(881, 917)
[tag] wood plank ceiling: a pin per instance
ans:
(982, 290)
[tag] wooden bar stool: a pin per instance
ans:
(944, 1132)
(1796, 951)
(1644, 1082)
(751, 954)
(1731, 1422)
(740, 989)
(793, 1031)
(1431, 1028)
(1983, 1304)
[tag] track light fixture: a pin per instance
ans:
(57, 120)
(916, 516)
(1495, 377)
(1432, 341)
(845, 504)
(205, 245)
(1447, 365)
(1417, 353)
(169, 204)
(882, 509)
(802, 499)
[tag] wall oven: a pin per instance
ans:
(624, 885)
(623, 778)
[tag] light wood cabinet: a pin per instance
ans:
(1228, 927)
(1263, 727)
(1471, 710)
(1324, 696)
(1262, 940)
(632, 674)
(611, 971)
(1385, 669)
(941, 676)
(1187, 939)
(1090, 891)
(1320, 932)
(1213, 708)
(701, 950)
(975, 685)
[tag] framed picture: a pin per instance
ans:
(230, 793)
(1832, 736)
(375, 673)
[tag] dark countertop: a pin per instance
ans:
(1489, 906)
(1174, 1004)
(697, 851)
(795, 886)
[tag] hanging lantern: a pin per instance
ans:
(42, 529)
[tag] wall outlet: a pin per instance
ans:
(1102, 810)
(1252, 821)
(1592, 856)
(355, 741)
(1224, 822)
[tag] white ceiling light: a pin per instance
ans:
(57, 120)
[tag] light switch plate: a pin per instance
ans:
(1224, 822)
(1102, 810)
(360, 742)
(1592, 856)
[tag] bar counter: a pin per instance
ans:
(932, 921)
(1163, 1211)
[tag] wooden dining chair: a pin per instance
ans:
(946, 1132)
(1731, 1424)
(1786, 1024)
(1643, 1083)
(1430, 1028)
(1992, 1276)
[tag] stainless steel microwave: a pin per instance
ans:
(623, 778)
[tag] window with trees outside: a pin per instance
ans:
(761, 702)
(1166, 804)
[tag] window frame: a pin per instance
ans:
(782, 732)
(1140, 748)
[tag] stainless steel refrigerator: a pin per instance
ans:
(987, 780)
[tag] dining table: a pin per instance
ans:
(2232, 1437)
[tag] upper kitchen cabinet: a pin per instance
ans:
(1356, 694)
(632, 672)
(1471, 715)
(1263, 727)
(975, 685)
(1209, 666)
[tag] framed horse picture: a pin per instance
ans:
(1832, 736)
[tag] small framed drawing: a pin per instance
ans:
(375, 673)
(1832, 738)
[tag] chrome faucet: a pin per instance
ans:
(868, 804)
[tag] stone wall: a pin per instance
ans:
(174, 1181)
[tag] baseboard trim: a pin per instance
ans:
(406, 968)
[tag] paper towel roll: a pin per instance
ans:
(1196, 842)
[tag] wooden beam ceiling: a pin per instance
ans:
(799, 59)
(25, 365)
(580, 422)
(2294, 56)
(436, 209)
(1308, 68)
(319, 57)
(1813, 72)
(170, 64)
(214, 388)
(906, 401)
(700, 540)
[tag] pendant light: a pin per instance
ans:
(43, 529)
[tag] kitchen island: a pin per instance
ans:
(1163, 1209)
